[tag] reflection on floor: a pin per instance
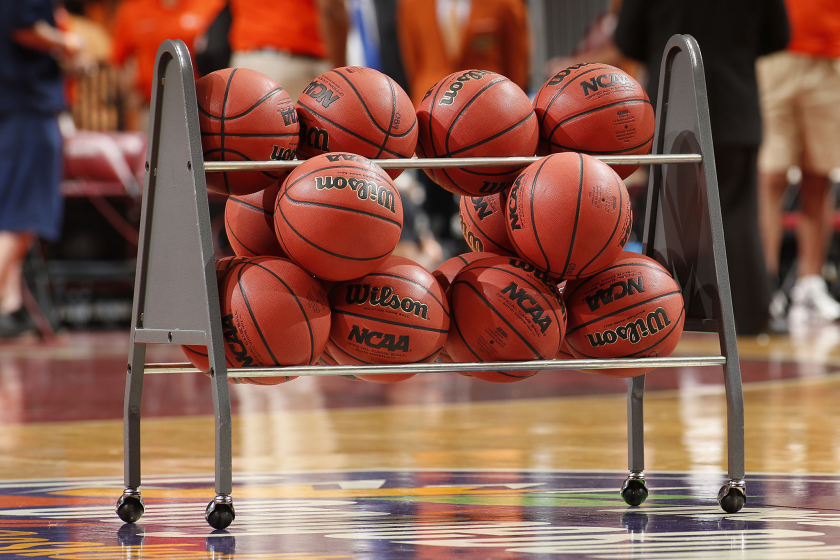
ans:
(436, 466)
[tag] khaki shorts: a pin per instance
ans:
(293, 73)
(800, 107)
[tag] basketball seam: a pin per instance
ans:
(470, 101)
(359, 136)
(646, 265)
(493, 137)
(252, 135)
(248, 110)
(600, 108)
(577, 217)
(636, 353)
(364, 105)
(526, 280)
(499, 315)
(362, 259)
(534, 219)
(300, 306)
(562, 89)
(222, 126)
(346, 353)
(623, 309)
(237, 200)
(600, 153)
(230, 231)
(478, 227)
(464, 340)
(343, 209)
(387, 322)
(432, 105)
(410, 281)
(393, 113)
(251, 314)
(615, 228)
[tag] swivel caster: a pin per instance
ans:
(732, 496)
(130, 506)
(220, 512)
(634, 491)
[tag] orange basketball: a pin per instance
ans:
(397, 314)
(631, 309)
(245, 116)
(476, 113)
(358, 110)
(483, 223)
(569, 214)
(595, 109)
(449, 269)
(338, 216)
(249, 223)
(273, 314)
(504, 309)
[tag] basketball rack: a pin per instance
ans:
(176, 296)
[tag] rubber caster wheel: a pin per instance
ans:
(219, 515)
(732, 498)
(634, 491)
(130, 508)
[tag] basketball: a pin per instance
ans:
(483, 223)
(339, 216)
(476, 113)
(595, 109)
(446, 272)
(633, 308)
(397, 314)
(244, 115)
(249, 223)
(569, 214)
(273, 314)
(504, 309)
(358, 110)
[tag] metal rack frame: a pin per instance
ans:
(176, 297)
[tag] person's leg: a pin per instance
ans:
(814, 228)
(13, 249)
(771, 190)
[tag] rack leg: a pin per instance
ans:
(130, 505)
(634, 490)
(220, 512)
(733, 494)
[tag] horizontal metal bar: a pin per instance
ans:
(164, 336)
(437, 163)
(441, 367)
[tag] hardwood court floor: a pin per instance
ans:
(531, 460)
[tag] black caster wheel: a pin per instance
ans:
(130, 507)
(732, 498)
(634, 491)
(220, 514)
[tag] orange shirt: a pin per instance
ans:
(284, 25)
(815, 27)
(142, 25)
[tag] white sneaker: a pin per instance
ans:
(811, 303)
(778, 306)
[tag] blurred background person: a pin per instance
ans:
(290, 41)
(731, 34)
(32, 50)
(140, 27)
(800, 102)
(437, 38)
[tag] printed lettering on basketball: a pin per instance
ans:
(540, 275)
(375, 339)
(281, 154)
(384, 296)
(452, 91)
(529, 305)
(634, 331)
(604, 81)
(558, 78)
(234, 343)
(614, 292)
(365, 190)
(315, 137)
(474, 242)
(345, 157)
(320, 93)
(289, 116)
(513, 216)
(491, 187)
(481, 206)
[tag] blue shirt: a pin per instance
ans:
(30, 81)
